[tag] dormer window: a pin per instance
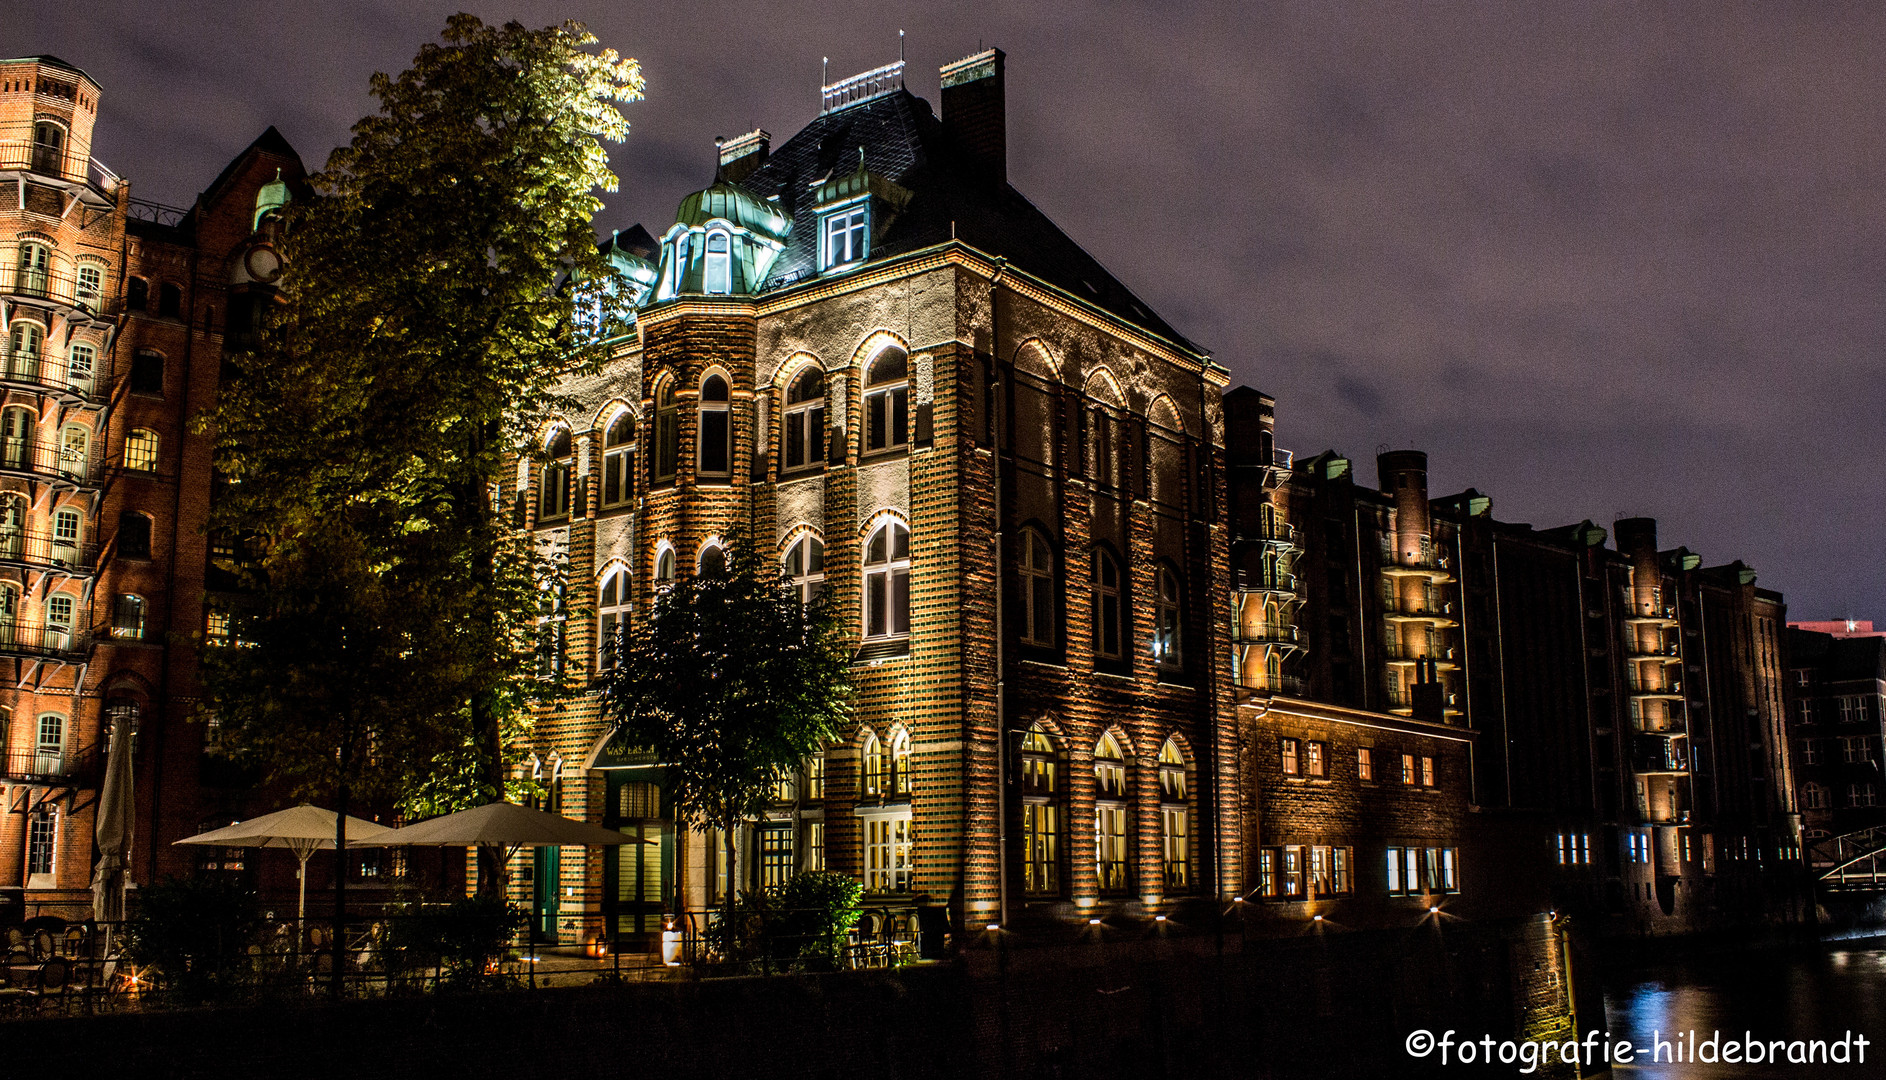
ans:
(718, 272)
(846, 236)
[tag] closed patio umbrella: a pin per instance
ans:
(301, 829)
(113, 828)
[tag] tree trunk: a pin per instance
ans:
(487, 730)
(732, 889)
(340, 881)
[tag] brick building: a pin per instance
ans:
(1836, 722)
(112, 316)
(868, 353)
(1625, 703)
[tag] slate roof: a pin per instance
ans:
(905, 143)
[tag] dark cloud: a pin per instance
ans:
(1596, 258)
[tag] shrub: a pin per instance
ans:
(196, 932)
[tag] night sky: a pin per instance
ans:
(1597, 260)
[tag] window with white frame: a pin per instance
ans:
(81, 363)
(618, 460)
(612, 614)
(803, 431)
(887, 582)
(871, 778)
(1106, 600)
(717, 265)
(887, 853)
(1110, 814)
(59, 622)
(664, 566)
(887, 401)
(1862, 795)
(35, 271)
(1041, 814)
(777, 861)
(1810, 751)
(716, 428)
(1166, 612)
(1365, 763)
(1814, 797)
(91, 287)
(1038, 592)
(900, 764)
(805, 568)
(845, 236)
(23, 348)
(1289, 757)
(556, 477)
(49, 750)
(1174, 816)
(42, 840)
(65, 532)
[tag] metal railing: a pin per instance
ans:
(42, 372)
(1277, 532)
(1279, 582)
(1267, 634)
(1637, 684)
(54, 766)
(156, 213)
(46, 461)
(1442, 655)
(861, 87)
(72, 163)
(44, 549)
(54, 286)
(22, 638)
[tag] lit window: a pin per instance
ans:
(871, 766)
(1408, 769)
(1292, 860)
(815, 845)
(804, 427)
(805, 568)
(81, 362)
(618, 461)
(776, 854)
(900, 764)
(717, 275)
(140, 451)
(1037, 574)
(887, 401)
(216, 626)
(1365, 763)
(887, 582)
(1106, 597)
(1427, 772)
(1172, 786)
(886, 853)
(1267, 872)
(667, 432)
(1110, 814)
(612, 607)
(716, 430)
(556, 477)
(127, 618)
(1288, 749)
(1174, 816)
(1166, 620)
(91, 287)
(1041, 832)
(815, 778)
(1313, 758)
(845, 236)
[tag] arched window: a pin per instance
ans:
(1110, 814)
(556, 478)
(618, 460)
(140, 452)
(23, 349)
(1038, 591)
(871, 767)
(48, 148)
(75, 444)
(9, 614)
(887, 582)
(1104, 466)
(805, 568)
(804, 429)
(887, 401)
(1174, 816)
(667, 454)
(900, 763)
(16, 438)
(1814, 797)
(1166, 620)
(1106, 598)
(716, 430)
(612, 613)
(35, 269)
(13, 526)
(1041, 814)
(49, 749)
(718, 275)
(127, 618)
(81, 362)
(712, 560)
(137, 294)
(59, 622)
(91, 287)
(664, 566)
(65, 534)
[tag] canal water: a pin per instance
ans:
(1823, 992)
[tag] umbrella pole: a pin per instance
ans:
(301, 897)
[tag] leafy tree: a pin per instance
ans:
(429, 307)
(731, 682)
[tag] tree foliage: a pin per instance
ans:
(429, 308)
(731, 683)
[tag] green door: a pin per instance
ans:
(548, 877)
(638, 877)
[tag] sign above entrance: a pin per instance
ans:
(614, 751)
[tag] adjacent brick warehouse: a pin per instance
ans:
(115, 312)
(1038, 416)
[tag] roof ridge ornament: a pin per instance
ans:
(865, 86)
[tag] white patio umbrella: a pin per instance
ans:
(301, 829)
(115, 817)
(501, 825)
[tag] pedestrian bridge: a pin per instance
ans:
(1850, 862)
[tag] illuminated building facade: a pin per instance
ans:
(112, 316)
(870, 355)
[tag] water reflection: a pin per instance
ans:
(1788, 994)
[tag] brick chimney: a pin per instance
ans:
(975, 112)
(741, 156)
